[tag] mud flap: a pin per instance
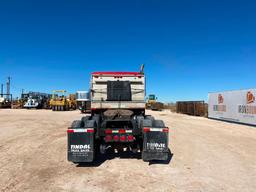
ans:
(155, 144)
(81, 145)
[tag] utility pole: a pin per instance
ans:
(8, 85)
(2, 90)
(22, 93)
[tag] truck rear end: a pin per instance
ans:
(117, 120)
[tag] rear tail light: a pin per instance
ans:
(146, 129)
(116, 138)
(90, 130)
(108, 138)
(121, 131)
(130, 138)
(108, 131)
(165, 130)
(122, 138)
(70, 131)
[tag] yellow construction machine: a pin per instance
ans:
(61, 102)
(153, 104)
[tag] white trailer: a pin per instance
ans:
(236, 106)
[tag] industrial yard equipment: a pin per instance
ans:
(153, 104)
(72, 101)
(196, 108)
(36, 100)
(83, 101)
(60, 101)
(117, 120)
(17, 104)
(5, 100)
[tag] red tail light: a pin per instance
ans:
(122, 138)
(90, 130)
(108, 138)
(116, 138)
(166, 130)
(130, 138)
(108, 131)
(70, 131)
(121, 131)
(146, 129)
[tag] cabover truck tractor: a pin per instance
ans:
(117, 121)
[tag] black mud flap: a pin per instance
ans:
(81, 145)
(155, 144)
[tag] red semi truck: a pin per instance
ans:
(117, 120)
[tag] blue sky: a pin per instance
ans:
(189, 47)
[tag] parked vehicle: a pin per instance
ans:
(117, 120)
(83, 101)
(36, 100)
(153, 104)
(61, 102)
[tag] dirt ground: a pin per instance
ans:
(207, 155)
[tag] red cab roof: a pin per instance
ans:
(118, 73)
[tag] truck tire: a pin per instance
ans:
(150, 117)
(96, 117)
(77, 124)
(147, 123)
(90, 124)
(85, 118)
(140, 121)
(103, 149)
(158, 123)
